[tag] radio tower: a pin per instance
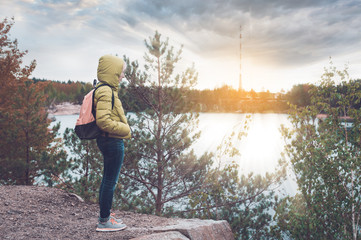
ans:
(240, 58)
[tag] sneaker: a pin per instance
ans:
(118, 220)
(110, 226)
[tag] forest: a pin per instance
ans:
(223, 99)
(162, 176)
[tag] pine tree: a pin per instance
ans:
(86, 165)
(24, 122)
(159, 167)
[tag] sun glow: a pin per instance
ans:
(260, 150)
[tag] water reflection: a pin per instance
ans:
(260, 149)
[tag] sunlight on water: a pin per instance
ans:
(260, 150)
(263, 145)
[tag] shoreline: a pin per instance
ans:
(65, 108)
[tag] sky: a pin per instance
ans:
(284, 42)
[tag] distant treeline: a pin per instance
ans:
(223, 99)
(58, 92)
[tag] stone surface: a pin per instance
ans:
(196, 229)
(64, 109)
(163, 236)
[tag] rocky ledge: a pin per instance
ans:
(31, 212)
(65, 108)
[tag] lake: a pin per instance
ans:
(260, 150)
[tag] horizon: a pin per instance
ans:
(284, 43)
(205, 89)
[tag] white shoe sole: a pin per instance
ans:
(110, 229)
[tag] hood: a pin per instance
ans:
(109, 70)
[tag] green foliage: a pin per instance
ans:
(223, 99)
(245, 201)
(295, 221)
(299, 95)
(86, 164)
(161, 175)
(159, 169)
(324, 154)
(227, 99)
(27, 149)
(58, 92)
(53, 163)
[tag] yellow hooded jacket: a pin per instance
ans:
(112, 121)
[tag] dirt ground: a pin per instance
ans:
(31, 212)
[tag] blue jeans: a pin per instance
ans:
(113, 153)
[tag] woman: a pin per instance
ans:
(112, 121)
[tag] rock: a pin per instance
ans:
(77, 197)
(196, 229)
(64, 108)
(172, 235)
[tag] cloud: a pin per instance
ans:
(277, 34)
(281, 31)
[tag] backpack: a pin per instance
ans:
(86, 127)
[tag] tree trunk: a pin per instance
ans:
(27, 166)
(354, 229)
(158, 204)
(86, 179)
